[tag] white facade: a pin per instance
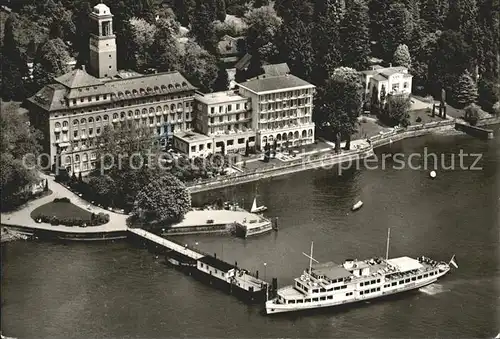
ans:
(283, 114)
(389, 80)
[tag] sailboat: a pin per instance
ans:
(257, 209)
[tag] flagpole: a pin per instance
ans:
(311, 258)
(387, 249)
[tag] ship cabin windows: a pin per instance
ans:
(322, 298)
(426, 275)
(419, 277)
(329, 297)
(316, 290)
(322, 290)
(300, 301)
(413, 278)
(394, 283)
(387, 285)
(401, 282)
(407, 280)
(308, 300)
(348, 294)
(432, 273)
(291, 301)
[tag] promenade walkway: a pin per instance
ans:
(166, 243)
(22, 216)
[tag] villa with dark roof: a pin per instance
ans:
(72, 112)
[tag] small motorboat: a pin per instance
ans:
(257, 209)
(357, 205)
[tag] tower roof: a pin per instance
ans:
(78, 78)
(101, 9)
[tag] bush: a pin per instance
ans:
(96, 220)
(65, 200)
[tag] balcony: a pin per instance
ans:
(57, 130)
(159, 112)
(65, 128)
(151, 114)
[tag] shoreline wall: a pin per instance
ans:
(305, 164)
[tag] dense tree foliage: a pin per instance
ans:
(464, 91)
(163, 201)
(355, 35)
(13, 64)
(402, 56)
(339, 113)
(396, 111)
(199, 67)
(263, 26)
(50, 62)
(18, 151)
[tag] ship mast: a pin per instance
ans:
(310, 257)
(387, 248)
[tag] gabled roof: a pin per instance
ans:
(243, 62)
(266, 84)
(228, 45)
(78, 78)
(216, 263)
(276, 69)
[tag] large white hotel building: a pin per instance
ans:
(72, 112)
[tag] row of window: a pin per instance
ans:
(282, 124)
(226, 108)
(407, 280)
(285, 105)
(285, 114)
(288, 136)
(365, 283)
(106, 119)
(308, 300)
(285, 95)
(229, 128)
(369, 291)
(236, 117)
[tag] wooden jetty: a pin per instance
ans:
(230, 278)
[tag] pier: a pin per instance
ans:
(207, 268)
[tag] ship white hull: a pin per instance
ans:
(272, 307)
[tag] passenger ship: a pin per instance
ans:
(329, 284)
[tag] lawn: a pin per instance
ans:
(368, 127)
(62, 211)
(425, 116)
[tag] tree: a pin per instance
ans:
(82, 32)
(255, 67)
(355, 35)
(247, 149)
(329, 16)
(294, 40)
(260, 3)
(199, 67)
(184, 10)
(340, 112)
(402, 56)
(125, 45)
(220, 10)
(19, 147)
(14, 69)
(465, 91)
(222, 81)
(50, 62)
(165, 49)
(489, 94)
(202, 25)
(450, 58)
(397, 29)
(143, 34)
(263, 25)
(396, 111)
(267, 152)
(103, 189)
(164, 201)
(434, 12)
(375, 102)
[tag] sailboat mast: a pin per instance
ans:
(387, 249)
(311, 258)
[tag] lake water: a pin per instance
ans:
(114, 290)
